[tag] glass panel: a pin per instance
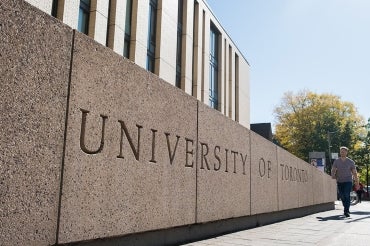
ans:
(83, 16)
(152, 35)
(126, 49)
(213, 69)
(128, 17)
(179, 44)
(54, 8)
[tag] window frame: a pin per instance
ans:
(84, 11)
(152, 29)
(214, 57)
(127, 35)
(180, 16)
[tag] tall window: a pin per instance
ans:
(153, 4)
(126, 48)
(83, 16)
(230, 84)
(109, 29)
(54, 8)
(196, 59)
(179, 43)
(236, 88)
(213, 68)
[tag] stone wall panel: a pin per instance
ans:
(143, 176)
(34, 68)
(287, 186)
(264, 175)
(223, 173)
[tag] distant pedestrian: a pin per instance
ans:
(344, 171)
(360, 191)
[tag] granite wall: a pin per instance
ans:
(93, 146)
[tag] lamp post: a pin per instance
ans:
(329, 144)
(367, 179)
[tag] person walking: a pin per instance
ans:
(360, 191)
(344, 171)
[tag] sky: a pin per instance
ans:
(292, 45)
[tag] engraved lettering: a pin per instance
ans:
(299, 176)
(217, 159)
(282, 171)
(306, 176)
(269, 169)
(292, 173)
(227, 151)
(286, 173)
(153, 146)
(262, 171)
(83, 130)
(203, 156)
(136, 151)
(187, 140)
(234, 153)
(218, 148)
(243, 160)
(170, 154)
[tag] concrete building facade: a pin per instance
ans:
(181, 41)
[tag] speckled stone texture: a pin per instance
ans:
(318, 186)
(34, 63)
(324, 187)
(330, 193)
(223, 176)
(264, 175)
(142, 177)
(287, 186)
(305, 187)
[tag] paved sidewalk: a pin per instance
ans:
(325, 228)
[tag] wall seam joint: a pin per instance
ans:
(196, 167)
(65, 139)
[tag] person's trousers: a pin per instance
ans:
(344, 190)
(359, 194)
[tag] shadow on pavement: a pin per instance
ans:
(342, 217)
(354, 220)
(334, 217)
(361, 213)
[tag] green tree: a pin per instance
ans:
(307, 122)
(361, 154)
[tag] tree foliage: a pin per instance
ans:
(361, 154)
(307, 122)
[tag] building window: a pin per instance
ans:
(54, 9)
(237, 88)
(196, 52)
(179, 43)
(83, 16)
(230, 84)
(153, 4)
(213, 67)
(126, 48)
(110, 7)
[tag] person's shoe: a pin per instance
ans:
(346, 214)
